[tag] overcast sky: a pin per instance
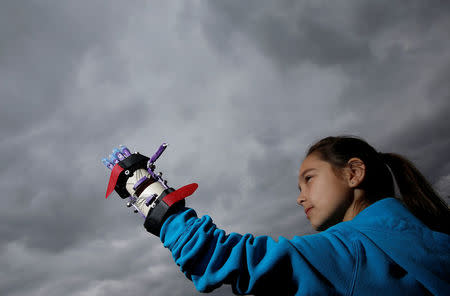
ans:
(239, 90)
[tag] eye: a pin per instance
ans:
(307, 178)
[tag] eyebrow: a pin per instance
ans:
(302, 174)
(308, 170)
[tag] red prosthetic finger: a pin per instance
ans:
(180, 193)
(113, 179)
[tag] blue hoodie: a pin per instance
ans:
(384, 250)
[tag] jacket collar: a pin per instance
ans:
(388, 212)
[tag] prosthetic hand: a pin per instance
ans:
(133, 178)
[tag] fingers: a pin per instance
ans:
(107, 163)
(116, 156)
(125, 151)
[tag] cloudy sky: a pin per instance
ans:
(239, 90)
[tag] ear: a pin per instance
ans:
(356, 172)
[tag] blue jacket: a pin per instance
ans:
(384, 250)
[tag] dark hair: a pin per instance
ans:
(416, 192)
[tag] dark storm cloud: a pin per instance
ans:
(238, 89)
(386, 48)
(41, 46)
(324, 33)
(39, 51)
(427, 134)
(287, 32)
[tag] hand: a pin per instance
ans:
(136, 179)
(133, 177)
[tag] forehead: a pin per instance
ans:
(311, 161)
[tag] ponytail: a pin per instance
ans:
(417, 193)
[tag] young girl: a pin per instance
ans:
(370, 242)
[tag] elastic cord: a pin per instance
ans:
(396, 188)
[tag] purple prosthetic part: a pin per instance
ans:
(150, 165)
(152, 173)
(118, 154)
(139, 182)
(132, 202)
(150, 199)
(163, 182)
(139, 211)
(133, 199)
(158, 153)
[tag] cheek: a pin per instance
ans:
(319, 187)
(340, 189)
(327, 190)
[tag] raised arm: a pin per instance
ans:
(321, 263)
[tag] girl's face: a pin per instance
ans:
(330, 197)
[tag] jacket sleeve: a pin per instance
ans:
(256, 265)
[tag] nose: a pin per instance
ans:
(300, 199)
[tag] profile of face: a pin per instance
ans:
(330, 195)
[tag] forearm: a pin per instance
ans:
(210, 258)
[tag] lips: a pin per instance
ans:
(307, 210)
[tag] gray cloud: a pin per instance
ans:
(239, 90)
(325, 34)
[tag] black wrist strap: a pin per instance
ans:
(156, 216)
(169, 202)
